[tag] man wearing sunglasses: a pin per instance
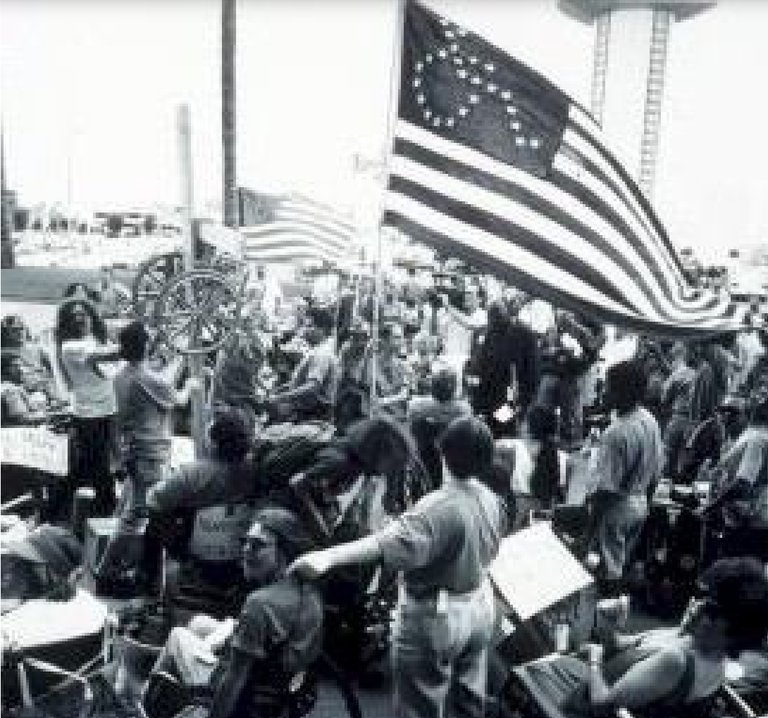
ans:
(239, 665)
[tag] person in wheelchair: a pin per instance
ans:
(226, 477)
(311, 391)
(243, 667)
(445, 615)
(661, 672)
(20, 407)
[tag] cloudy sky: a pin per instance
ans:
(90, 92)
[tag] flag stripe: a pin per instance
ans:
(589, 191)
(291, 227)
(592, 131)
(451, 198)
(551, 213)
(499, 257)
(585, 241)
(608, 232)
(591, 162)
(488, 250)
(285, 230)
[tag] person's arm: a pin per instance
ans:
(645, 682)
(232, 685)
(182, 396)
(317, 563)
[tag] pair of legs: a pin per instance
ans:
(440, 657)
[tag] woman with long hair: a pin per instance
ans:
(80, 344)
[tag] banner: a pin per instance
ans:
(36, 448)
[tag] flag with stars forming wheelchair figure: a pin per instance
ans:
(495, 165)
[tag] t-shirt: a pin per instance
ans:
(237, 369)
(677, 392)
(458, 338)
(441, 412)
(630, 454)
(93, 394)
(204, 483)
(322, 366)
(446, 540)
(747, 461)
(287, 615)
(145, 411)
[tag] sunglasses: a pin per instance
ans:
(256, 543)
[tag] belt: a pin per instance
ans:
(433, 596)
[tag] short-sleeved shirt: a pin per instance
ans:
(16, 404)
(286, 616)
(94, 394)
(747, 461)
(441, 412)
(202, 484)
(237, 369)
(457, 337)
(630, 454)
(145, 404)
(322, 366)
(446, 540)
(678, 390)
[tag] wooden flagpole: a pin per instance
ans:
(394, 93)
(195, 363)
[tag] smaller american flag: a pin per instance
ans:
(289, 228)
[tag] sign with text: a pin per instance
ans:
(534, 570)
(36, 448)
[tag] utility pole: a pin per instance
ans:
(228, 112)
(8, 206)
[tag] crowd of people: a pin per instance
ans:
(393, 436)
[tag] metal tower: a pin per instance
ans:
(629, 66)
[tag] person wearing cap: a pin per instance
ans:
(445, 616)
(311, 391)
(278, 633)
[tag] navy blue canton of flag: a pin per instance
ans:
(495, 165)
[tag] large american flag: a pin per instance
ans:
(495, 165)
(289, 228)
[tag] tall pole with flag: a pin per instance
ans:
(229, 111)
(394, 91)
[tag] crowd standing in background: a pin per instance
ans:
(400, 445)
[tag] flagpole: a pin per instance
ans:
(394, 92)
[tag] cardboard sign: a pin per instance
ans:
(534, 570)
(218, 531)
(36, 448)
